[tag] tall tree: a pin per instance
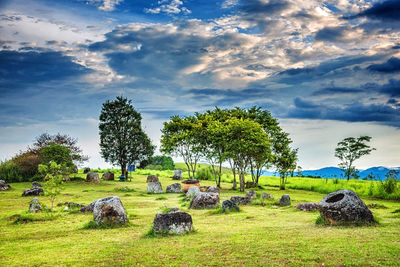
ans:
(182, 137)
(245, 139)
(349, 150)
(122, 140)
(285, 158)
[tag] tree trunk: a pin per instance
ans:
(219, 175)
(282, 183)
(123, 168)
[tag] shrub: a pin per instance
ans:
(9, 172)
(204, 174)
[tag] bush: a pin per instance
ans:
(204, 174)
(9, 172)
(28, 163)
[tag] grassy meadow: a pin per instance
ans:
(257, 235)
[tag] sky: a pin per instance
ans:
(326, 69)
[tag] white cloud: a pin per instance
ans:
(229, 3)
(172, 7)
(105, 5)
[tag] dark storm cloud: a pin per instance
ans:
(337, 90)
(334, 68)
(261, 12)
(387, 10)
(331, 34)
(390, 66)
(354, 112)
(20, 69)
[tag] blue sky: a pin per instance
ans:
(327, 69)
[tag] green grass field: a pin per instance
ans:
(258, 235)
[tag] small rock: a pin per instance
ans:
(174, 222)
(310, 206)
(190, 181)
(86, 170)
(265, 195)
(204, 201)
(249, 185)
(66, 209)
(92, 177)
(251, 194)
(177, 175)
(230, 205)
(36, 191)
(154, 188)
(284, 200)
(213, 189)
(109, 176)
(238, 200)
(174, 188)
(109, 210)
(4, 186)
(71, 205)
(344, 206)
(194, 190)
(152, 178)
(34, 205)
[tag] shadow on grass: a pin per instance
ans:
(320, 221)
(94, 226)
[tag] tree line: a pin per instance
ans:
(246, 139)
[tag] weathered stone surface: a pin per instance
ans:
(187, 186)
(344, 206)
(203, 188)
(213, 189)
(32, 192)
(154, 188)
(265, 195)
(152, 178)
(238, 200)
(66, 178)
(93, 177)
(34, 205)
(36, 184)
(310, 206)
(190, 181)
(192, 191)
(4, 186)
(109, 176)
(249, 185)
(177, 175)
(284, 200)
(86, 170)
(251, 194)
(204, 201)
(109, 210)
(88, 208)
(173, 222)
(72, 205)
(174, 188)
(229, 205)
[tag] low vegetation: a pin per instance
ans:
(257, 235)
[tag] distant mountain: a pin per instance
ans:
(379, 173)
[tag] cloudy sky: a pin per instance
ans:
(327, 69)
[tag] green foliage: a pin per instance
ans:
(183, 137)
(9, 172)
(350, 149)
(165, 162)
(122, 140)
(27, 163)
(53, 178)
(93, 225)
(204, 174)
(58, 154)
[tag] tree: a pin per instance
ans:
(64, 140)
(122, 140)
(53, 185)
(164, 162)
(349, 150)
(244, 140)
(285, 158)
(182, 137)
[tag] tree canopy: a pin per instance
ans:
(122, 140)
(349, 150)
